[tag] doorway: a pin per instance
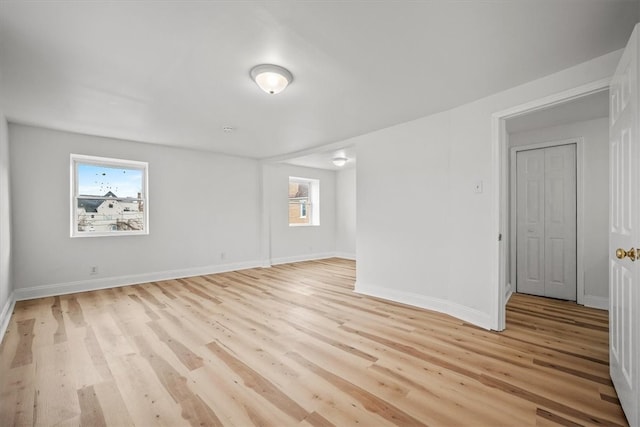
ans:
(541, 110)
(544, 219)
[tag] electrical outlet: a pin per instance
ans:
(223, 255)
(477, 187)
(93, 270)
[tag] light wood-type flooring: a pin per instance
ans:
(294, 345)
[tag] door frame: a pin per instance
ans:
(511, 285)
(500, 194)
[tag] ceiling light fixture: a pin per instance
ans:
(340, 161)
(271, 78)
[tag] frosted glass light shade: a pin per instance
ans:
(270, 78)
(340, 161)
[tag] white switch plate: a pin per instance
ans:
(477, 187)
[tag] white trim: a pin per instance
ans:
(313, 204)
(109, 162)
(499, 162)
(340, 145)
(56, 289)
(593, 301)
(300, 258)
(498, 269)
(556, 98)
(579, 142)
(462, 312)
(509, 294)
(346, 255)
(5, 316)
(508, 291)
(118, 281)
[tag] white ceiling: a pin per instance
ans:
(176, 72)
(589, 107)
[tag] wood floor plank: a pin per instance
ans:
(144, 396)
(18, 397)
(55, 385)
(90, 410)
(293, 345)
(61, 332)
(24, 354)
(369, 401)
(260, 384)
(85, 371)
(109, 397)
(236, 404)
(187, 357)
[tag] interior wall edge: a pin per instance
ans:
(5, 315)
(475, 317)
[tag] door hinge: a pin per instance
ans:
(500, 237)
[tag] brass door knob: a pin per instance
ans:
(631, 253)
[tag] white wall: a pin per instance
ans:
(403, 229)
(6, 284)
(424, 237)
(204, 214)
(595, 134)
(289, 244)
(346, 213)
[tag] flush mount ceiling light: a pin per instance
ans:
(271, 78)
(340, 161)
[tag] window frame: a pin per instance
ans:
(312, 205)
(77, 159)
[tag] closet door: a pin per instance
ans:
(560, 222)
(546, 222)
(530, 222)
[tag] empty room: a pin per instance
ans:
(319, 213)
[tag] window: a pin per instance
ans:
(304, 201)
(108, 197)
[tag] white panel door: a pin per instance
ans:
(560, 222)
(530, 222)
(624, 234)
(546, 222)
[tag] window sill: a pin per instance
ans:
(108, 234)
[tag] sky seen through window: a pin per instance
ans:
(97, 180)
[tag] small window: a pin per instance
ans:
(304, 201)
(108, 197)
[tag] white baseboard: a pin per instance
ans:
(508, 293)
(55, 289)
(596, 302)
(345, 255)
(459, 311)
(5, 315)
(300, 258)
(114, 282)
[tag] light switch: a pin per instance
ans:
(477, 187)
